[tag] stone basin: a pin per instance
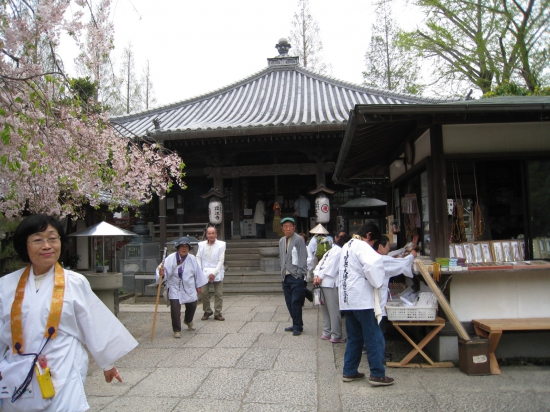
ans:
(106, 286)
(268, 251)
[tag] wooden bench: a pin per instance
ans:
(493, 328)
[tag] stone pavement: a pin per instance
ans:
(248, 363)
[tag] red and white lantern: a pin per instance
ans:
(322, 208)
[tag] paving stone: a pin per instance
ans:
(238, 340)
(95, 384)
(182, 357)
(266, 407)
(262, 317)
(273, 387)
(216, 326)
(265, 308)
(258, 358)
(141, 404)
(259, 327)
(303, 360)
(204, 340)
(298, 342)
(145, 358)
(269, 340)
(206, 405)
(97, 403)
(171, 382)
(227, 384)
(220, 357)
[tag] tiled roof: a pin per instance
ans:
(274, 98)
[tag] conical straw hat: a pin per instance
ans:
(319, 230)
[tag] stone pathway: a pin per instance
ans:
(248, 363)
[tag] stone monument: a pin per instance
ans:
(140, 259)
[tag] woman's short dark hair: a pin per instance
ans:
(34, 224)
(342, 240)
(371, 227)
(382, 241)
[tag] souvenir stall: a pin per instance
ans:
(470, 178)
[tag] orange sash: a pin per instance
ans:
(56, 307)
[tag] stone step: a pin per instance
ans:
(251, 243)
(251, 279)
(240, 250)
(247, 256)
(255, 263)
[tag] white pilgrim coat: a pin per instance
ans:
(360, 270)
(213, 265)
(394, 267)
(327, 269)
(85, 320)
(193, 278)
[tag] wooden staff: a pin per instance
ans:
(158, 296)
(443, 301)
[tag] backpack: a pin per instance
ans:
(323, 246)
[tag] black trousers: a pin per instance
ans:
(175, 312)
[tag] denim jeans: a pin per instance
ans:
(294, 290)
(362, 328)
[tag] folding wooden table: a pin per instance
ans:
(437, 325)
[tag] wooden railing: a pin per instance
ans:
(177, 230)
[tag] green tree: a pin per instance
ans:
(480, 43)
(390, 66)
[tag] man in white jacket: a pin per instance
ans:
(361, 275)
(211, 257)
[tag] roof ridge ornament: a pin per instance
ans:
(283, 59)
(283, 47)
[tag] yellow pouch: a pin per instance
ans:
(45, 383)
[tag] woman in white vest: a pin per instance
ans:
(211, 257)
(47, 314)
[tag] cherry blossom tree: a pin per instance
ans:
(58, 152)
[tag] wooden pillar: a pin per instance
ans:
(218, 185)
(437, 195)
(236, 206)
(320, 172)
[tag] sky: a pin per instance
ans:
(195, 47)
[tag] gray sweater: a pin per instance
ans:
(296, 266)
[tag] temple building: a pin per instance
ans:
(272, 135)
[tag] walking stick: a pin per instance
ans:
(158, 296)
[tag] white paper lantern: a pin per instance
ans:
(322, 208)
(215, 210)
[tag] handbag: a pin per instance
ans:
(296, 213)
(165, 294)
(318, 296)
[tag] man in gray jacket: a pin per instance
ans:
(293, 256)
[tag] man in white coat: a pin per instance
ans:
(361, 275)
(211, 257)
(259, 219)
(184, 279)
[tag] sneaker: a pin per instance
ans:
(296, 333)
(190, 325)
(351, 378)
(343, 340)
(177, 335)
(206, 315)
(219, 317)
(324, 337)
(289, 329)
(385, 381)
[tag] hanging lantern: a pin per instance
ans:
(215, 210)
(322, 208)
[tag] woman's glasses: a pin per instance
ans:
(39, 242)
